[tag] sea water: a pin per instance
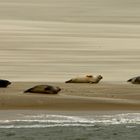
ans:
(55, 40)
(43, 125)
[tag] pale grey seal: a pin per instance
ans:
(85, 79)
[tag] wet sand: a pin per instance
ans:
(54, 40)
(102, 96)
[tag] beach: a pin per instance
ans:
(51, 41)
(102, 96)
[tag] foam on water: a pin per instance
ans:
(44, 121)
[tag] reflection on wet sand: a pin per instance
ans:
(55, 40)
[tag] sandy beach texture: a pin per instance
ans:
(55, 40)
(103, 96)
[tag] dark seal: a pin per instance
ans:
(47, 89)
(4, 83)
(134, 80)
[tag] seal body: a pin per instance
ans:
(4, 83)
(47, 89)
(85, 79)
(134, 80)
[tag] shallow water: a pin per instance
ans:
(111, 132)
(54, 40)
(42, 125)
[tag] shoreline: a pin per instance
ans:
(72, 97)
(22, 114)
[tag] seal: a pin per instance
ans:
(47, 89)
(85, 79)
(4, 83)
(134, 80)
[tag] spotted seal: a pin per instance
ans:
(47, 89)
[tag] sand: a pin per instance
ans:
(55, 40)
(103, 96)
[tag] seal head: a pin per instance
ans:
(4, 83)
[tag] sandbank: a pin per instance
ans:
(73, 97)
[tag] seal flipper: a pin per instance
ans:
(69, 81)
(129, 80)
(28, 90)
(48, 88)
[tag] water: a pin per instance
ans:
(36, 125)
(55, 40)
